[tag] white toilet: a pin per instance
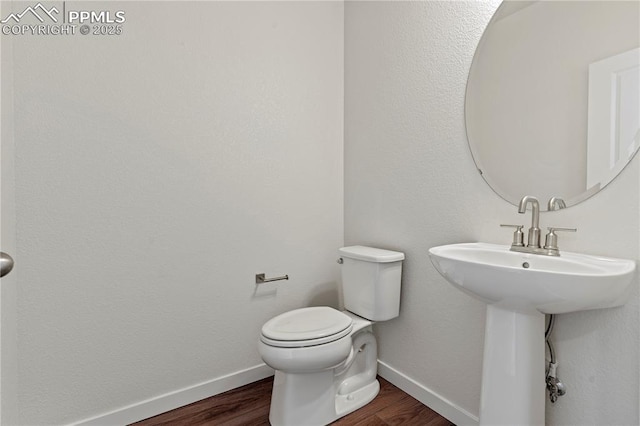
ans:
(326, 360)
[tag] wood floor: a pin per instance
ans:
(249, 405)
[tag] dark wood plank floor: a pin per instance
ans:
(249, 405)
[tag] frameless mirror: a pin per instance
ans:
(553, 97)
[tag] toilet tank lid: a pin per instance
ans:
(371, 254)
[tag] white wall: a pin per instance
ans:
(410, 184)
(157, 173)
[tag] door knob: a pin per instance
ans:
(6, 264)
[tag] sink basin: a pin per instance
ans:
(519, 288)
(520, 281)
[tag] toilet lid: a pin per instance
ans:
(306, 327)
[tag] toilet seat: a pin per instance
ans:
(306, 327)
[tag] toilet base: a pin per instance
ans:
(346, 404)
(313, 399)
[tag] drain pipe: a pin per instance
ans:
(363, 342)
(555, 387)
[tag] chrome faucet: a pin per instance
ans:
(534, 231)
(533, 243)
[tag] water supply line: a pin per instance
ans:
(555, 387)
(547, 336)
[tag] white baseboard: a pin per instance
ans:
(169, 401)
(437, 403)
(172, 400)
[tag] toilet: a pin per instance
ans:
(325, 359)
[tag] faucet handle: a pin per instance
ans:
(551, 240)
(553, 229)
(518, 235)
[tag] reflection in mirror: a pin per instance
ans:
(553, 97)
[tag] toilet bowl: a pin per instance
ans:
(325, 359)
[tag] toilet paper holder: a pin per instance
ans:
(260, 278)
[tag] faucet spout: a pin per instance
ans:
(534, 231)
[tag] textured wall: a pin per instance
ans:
(157, 172)
(410, 184)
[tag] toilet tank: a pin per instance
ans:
(371, 281)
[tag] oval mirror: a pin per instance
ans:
(553, 97)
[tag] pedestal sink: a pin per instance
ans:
(519, 289)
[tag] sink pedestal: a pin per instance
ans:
(513, 385)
